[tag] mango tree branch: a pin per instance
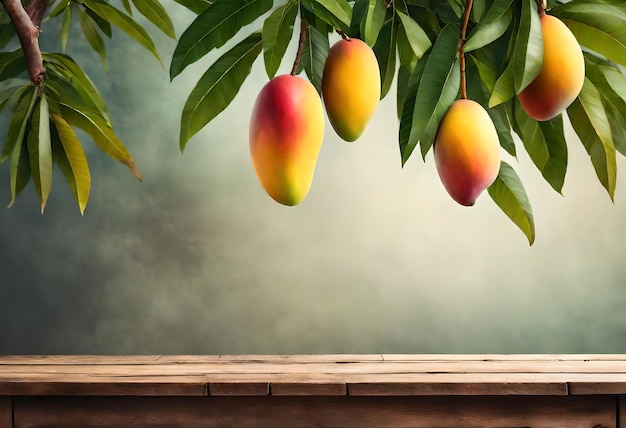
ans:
(296, 62)
(27, 29)
(35, 10)
(460, 45)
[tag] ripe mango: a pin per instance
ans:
(467, 151)
(562, 74)
(286, 133)
(351, 87)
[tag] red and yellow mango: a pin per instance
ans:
(562, 74)
(351, 87)
(286, 133)
(467, 151)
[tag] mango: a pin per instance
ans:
(286, 133)
(351, 87)
(562, 74)
(467, 151)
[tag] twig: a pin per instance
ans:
(296, 62)
(542, 8)
(468, 9)
(27, 29)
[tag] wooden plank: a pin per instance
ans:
(197, 369)
(362, 384)
(308, 388)
(105, 385)
(434, 388)
(179, 359)
(594, 388)
(504, 357)
(6, 412)
(296, 412)
(239, 388)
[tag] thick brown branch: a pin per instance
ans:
(36, 9)
(28, 33)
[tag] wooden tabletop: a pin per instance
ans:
(321, 375)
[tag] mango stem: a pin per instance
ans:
(296, 62)
(464, 23)
(542, 8)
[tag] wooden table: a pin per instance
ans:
(313, 391)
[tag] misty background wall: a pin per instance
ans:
(198, 259)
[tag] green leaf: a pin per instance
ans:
(611, 85)
(218, 87)
(359, 12)
(65, 27)
(277, 32)
(339, 8)
(493, 26)
(509, 194)
(503, 128)
(373, 22)
(409, 102)
(103, 24)
(385, 51)
(17, 127)
(64, 67)
(196, 6)
(486, 73)
(591, 124)
(92, 36)
(599, 28)
(504, 87)
(93, 124)
(123, 22)
(20, 171)
(156, 13)
(438, 81)
(73, 162)
(528, 55)
(545, 143)
(40, 151)
(617, 121)
(417, 38)
(6, 34)
(314, 53)
(402, 87)
(127, 7)
(11, 64)
(214, 27)
(58, 9)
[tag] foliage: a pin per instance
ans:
(415, 42)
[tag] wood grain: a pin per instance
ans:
(312, 375)
(6, 412)
(248, 412)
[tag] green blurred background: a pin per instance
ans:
(198, 259)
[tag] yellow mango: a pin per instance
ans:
(467, 151)
(562, 74)
(351, 87)
(286, 133)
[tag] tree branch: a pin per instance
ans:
(28, 33)
(35, 10)
(296, 62)
(464, 23)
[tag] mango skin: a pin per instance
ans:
(351, 87)
(286, 133)
(467, 151)
(562, 74)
